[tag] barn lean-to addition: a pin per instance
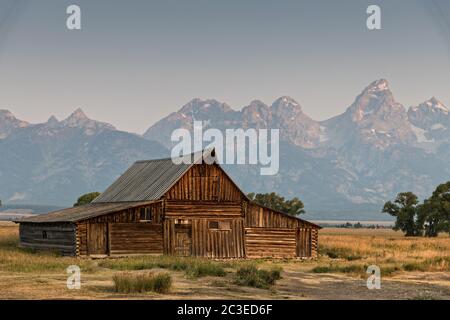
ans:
(159, 207)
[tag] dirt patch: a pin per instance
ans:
(293, 285)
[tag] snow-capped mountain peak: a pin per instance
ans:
(284, 102)
(198, 105)
(436, 105)
(378, 86)
(375, 101)
(431, 118)
(78, 119)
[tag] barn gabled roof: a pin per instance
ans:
(149, 179)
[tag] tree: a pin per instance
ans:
(86, 198)
(434, 214)
(405, 209)
(274, 201)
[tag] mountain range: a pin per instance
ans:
(343, 167)
(55, 162)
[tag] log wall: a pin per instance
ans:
(135, 238)
(270, 242)
(315, 243)
(202, 209)
(85, 229)
(59, 237)
(261, 224)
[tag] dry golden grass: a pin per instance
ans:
(351, 250)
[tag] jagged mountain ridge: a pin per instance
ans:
(370, 152)
(9, 123)
(285, 113)
(55, 162)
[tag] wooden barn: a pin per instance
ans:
(158, 207)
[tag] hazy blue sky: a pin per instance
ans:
(134, 62)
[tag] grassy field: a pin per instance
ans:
(352, 250)
(412, 268)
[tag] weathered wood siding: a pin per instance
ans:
(207, 242)
(205, 183)
(260, 217)
(304, 242)
(59, 237)
(267, 230)
(98, 238)
(82, 239)
(92, 230)
(135, 238)
(270, 242)
(202, 209)
(218, 243)
(315, 243)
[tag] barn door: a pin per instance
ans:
(183, 240)
(304, 242)
(97, 238)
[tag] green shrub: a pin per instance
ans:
(162, 283)
(321, 269)
(386, 271)
(138, 283)
(251, 276)
(272, 275)
(413, 267)
(351, 268)
(202, 269)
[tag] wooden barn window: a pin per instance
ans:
(214, 225)
(146, 214)
(219, 225)
(182, 221)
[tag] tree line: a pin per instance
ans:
(293, 207)
(428, 218)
